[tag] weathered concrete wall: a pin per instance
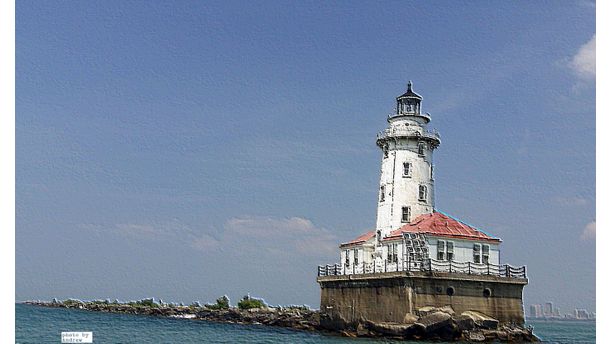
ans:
(348, 300)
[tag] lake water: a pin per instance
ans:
(35, 324)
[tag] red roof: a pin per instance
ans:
(441, 225)
(360, 239)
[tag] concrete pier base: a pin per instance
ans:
(347, 300)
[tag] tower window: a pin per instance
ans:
(477, 253)
(378, 237)
(405, 214)
(421, 149)
(431, 172)
(422, 193)
(382, 193)
(356, 257)
(386, 151)
(407, 169)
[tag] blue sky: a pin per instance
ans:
(184, 150)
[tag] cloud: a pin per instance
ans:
(588, 233)
(272, 234)
(583, 63)
(245, 235)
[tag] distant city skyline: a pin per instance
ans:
(187, 150)
(548, 310)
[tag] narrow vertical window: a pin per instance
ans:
(356, 257)
(421, 148)
(407, 169)
(386, 151)
(431, 172)
(422, 193)
(346, 257)
(440, 250)
(477, 253)
(382, 193)
(485, 254)
(405, 214)
(450, 251)
(378, 237)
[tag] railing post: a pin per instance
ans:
(385, 265)
(354, 268)
(507, 270)
(488, 269)
(450, 266)
(469, 268)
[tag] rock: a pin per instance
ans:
(482, 320)
(476, 337)
(410, 318)
(427, 310)
(348, 334)
(362, 331)
(464, 322)
(389, 329)
(435, 322)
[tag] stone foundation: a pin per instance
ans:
(348, 300)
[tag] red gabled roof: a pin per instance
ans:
(441, 225)
(360, 239)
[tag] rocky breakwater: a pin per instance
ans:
(295, 317)
(431, 323)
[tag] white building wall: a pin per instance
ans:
(403, 190)
(463, 249)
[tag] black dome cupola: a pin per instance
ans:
(409, 103)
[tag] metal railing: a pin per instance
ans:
(430, 134)
(427, 265)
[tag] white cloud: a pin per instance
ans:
(255, 235)
(588, 233)
(583, 63)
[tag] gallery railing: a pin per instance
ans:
(428, 265)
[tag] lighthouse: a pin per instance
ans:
(416, 256)
(407, 171)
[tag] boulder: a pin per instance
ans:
(464, 322)
(389, 329)
(476, 336)
(482, 320)
(410, 318)
(435, 322)
(427, 310)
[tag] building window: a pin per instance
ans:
(356, 257)
(346, 257)
(485, 254)
(392, 253)
(405, 214)
(382, 193)
(407, 169)
(450, 251)
(477, 254)
(440, 250)
(386, 151)
(431, 170)
(421, 148)
(378, 237)
(422, 193)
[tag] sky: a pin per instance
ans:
(187, 150)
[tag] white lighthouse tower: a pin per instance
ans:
(406, 177)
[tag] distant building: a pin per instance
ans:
(535, 311)
(581, 314)
(548, 309)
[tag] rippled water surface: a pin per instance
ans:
(44, 325)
